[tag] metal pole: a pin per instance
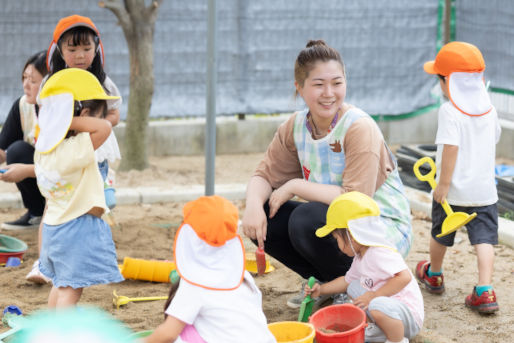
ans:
(210, 112)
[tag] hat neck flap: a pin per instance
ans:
(207, 266)
(370, 231)
(468, 94)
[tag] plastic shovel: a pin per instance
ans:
(307, 304)
(454, 220)
(260, 258)
(119, 300)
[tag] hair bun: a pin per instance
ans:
(312, 42)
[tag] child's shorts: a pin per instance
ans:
(79, 253)
(482, 229)
(391, 307)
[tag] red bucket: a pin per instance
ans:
(344, 323)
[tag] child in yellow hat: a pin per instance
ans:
(467, 133)
(378, 280)
(217, 299)
(77, 249)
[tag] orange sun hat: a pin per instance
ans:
(208, 252)
(64, 25)
(456, 57)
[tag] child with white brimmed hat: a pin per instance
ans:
(378, 280)
(77, 249)
(217, 299)
(467, 133)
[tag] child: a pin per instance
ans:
(468, 130)
(378, 281)
(76, 44)
(77, 250)
(216, 300)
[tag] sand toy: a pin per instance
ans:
(292, 332)
(343, 323)
(260, 258)
(251, 264)
(307, 304)
(11, 247)
(119, 300)
(454, 220)
(148, 270)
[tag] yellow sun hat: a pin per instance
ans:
(360, 214)
(58, 97)
(347, 206)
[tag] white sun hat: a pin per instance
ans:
(208, 251)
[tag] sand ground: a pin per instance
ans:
(147, 231)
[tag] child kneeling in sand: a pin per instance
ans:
(216, 300)
(378, 280)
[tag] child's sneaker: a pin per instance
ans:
(434, 284)
(36, 276)
(485, 303)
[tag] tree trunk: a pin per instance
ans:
(140, 42)
(137, 22)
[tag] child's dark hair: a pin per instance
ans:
(94, 106)
(342, 234)
(171, 295)
(38, 60)
(79, 35)
(314, 51)
(442, 77)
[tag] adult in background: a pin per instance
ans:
(327, 149)
(17, 140)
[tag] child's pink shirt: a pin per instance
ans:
(376, 267)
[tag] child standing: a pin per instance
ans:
(77, 250)
(76, 43)
(378, 280)
(467, 133)
(216, 300)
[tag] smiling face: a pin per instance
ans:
(31, 80)
(80, 55)
(324, 89)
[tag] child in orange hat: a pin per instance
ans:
(467, 133)
(216, 300)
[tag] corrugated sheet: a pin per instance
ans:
(383, 44)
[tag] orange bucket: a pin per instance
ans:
(344, 323)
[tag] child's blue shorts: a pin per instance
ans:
(79, 253)
(482, 229)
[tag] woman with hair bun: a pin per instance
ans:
(329, 148)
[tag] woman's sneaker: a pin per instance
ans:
(296, 301)
(26, 221)
(485, 303)
(36, 276)
(434, 284)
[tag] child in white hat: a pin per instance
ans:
(77, 249)
(378, 280)
(216, 300)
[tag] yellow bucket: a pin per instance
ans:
(292, 332)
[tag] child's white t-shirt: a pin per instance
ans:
(473, 182)
(376, 267)
(69, 179)
(223, 316)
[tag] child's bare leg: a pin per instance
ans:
(485, 259)
(65, 296)
(392, 328)
(437, 252)
(52, 298)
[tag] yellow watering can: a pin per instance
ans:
(454, 220)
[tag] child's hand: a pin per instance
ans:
(364, 300)
(315, 291)
(440, 192)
